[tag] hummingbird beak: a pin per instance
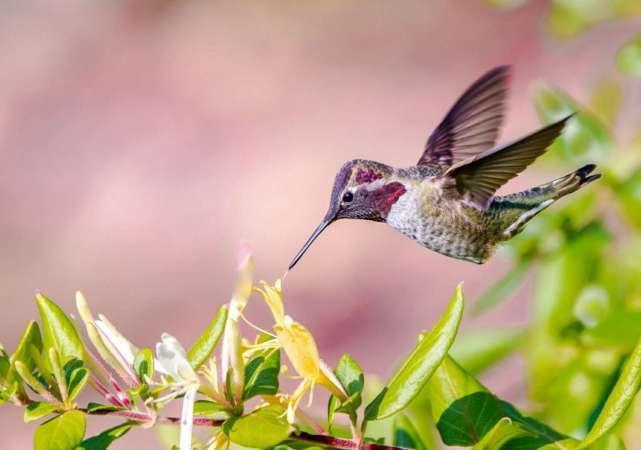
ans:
(311, 239)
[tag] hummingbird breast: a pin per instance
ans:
(442, 224)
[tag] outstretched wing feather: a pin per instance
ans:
(472, 124)
(478, 178)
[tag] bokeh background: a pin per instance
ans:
(141, 141)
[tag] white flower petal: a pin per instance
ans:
(126, 349)
(171, 359)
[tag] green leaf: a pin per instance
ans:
(465, 411)
(103, 440)
(500, 290)
(261, 374)
(30, 344)
(58, 330)
(144, 364)
(609, 442)
(34, 382)
(350, 375)
(59, 379)
(70, 366)
(37, 410)
(449, 383)
(7, 389)
(77, 381)
(629, 57)
(468, 419)
(478, 350)
(7, 392)
(207, 408)
(504, 431)
(332, 405)
(5, 364)
(406, 435)
(63, 432)
(619, 400)
(98, 408)
(621, 328)
(408, 381)
(262, 428)
(205, 345)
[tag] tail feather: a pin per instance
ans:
(517, 209)
(550, 191)
(571, 182)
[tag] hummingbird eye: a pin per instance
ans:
(348, 197)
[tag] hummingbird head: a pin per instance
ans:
(362, 190)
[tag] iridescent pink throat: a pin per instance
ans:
(384, 197)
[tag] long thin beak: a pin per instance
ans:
(311, 239)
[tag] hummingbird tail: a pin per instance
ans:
(517, 209)
(571, 182)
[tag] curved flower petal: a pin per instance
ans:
(231, 353)
(245, 279)
(301, 350)
(171, 359)
(126, 349)
(112, 347)
(273, 296)
(300, 347)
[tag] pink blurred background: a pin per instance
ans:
(141, 141)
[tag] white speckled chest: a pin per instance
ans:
(440, 225)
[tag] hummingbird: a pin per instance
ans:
(447, 202)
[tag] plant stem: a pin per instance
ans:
(198, 421)
(320, 439)
(131, 415)
(338, 443)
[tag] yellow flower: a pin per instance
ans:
(301, 350)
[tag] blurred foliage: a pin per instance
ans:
(629, 57)
(586, 254)
(567, 18)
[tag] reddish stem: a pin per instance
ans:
(320, 439)
(198, 421)
(338, 443)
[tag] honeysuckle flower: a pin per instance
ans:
(171, 360)
(108, 332)
(231, 353)
(111, 345)
(301, 350)
(209, 373)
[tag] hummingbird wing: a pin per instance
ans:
(478, 178)
(472, 124)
